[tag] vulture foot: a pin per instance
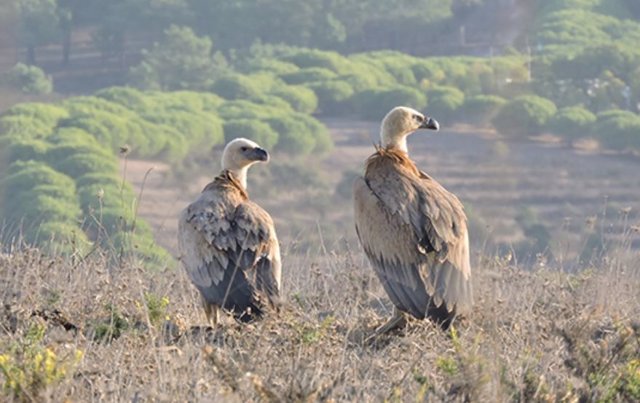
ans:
(396, 321)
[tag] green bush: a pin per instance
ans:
(128, 97)
(293, 135)
(332, 96)
(60, 152)
(322, 138)
(428, 70)
(572, 122)
(236, 86)
(24, 127)
(90, 106)
(97, 196)
(308, 75)
(47, 114)
(196, 129)
(374, 104)
(523, 116)
(255, 130)
(481, 109)
(312, 58)
(269, 65)
(42, 208)
(14, 201)
(58, 237)
(98, 178)
(300, 98)
(80, 163)
(141, 248)
(23, 176)
(444, 102)
(24, 150)
(618, 129)
(29, 79)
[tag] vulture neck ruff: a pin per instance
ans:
(394, 155)
(228, 180)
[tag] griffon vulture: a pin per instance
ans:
(413, 230)
(228, 243)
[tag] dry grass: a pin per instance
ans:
(129, 334)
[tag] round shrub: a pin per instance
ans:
(236, 87)
(80, 164)
(525, 115)
(96, 196)
(308, 75)
(374, 104)
(444, 102)
(427, 70)
(273, 102)
(293, 135)
(43, 208)
(29, 79)
(23, 127)
(14, 201)
(310, 58)
(332, 96)
(481, 109)
(98, 178)
(23, 176)
(269, 65)
(128, 97)
(88, 105)
(61, 152)
(321, 136)
(618, 130)
(255, 130)
(58, 237)
(48, 114)
(23, 150)
(300, 98)
(572, 122)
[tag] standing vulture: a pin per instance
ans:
(413, 230)
(228, 244)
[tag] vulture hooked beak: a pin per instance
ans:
(259, 154)
(430, 123)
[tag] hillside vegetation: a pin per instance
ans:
(62, 186)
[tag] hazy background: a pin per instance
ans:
(538, 102)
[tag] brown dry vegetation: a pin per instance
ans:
(83, 329)
(537, 335)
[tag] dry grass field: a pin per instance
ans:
(74, 330)
(80, 328)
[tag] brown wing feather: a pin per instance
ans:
(414, 233)
(229, 247)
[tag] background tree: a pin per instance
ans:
(39, 24)
(181, 61)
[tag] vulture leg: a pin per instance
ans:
(397, 320)
(212, 312)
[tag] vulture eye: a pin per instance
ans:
(243, 149)
(418, 118)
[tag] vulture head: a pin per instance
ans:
(399, 123)
(239, 154)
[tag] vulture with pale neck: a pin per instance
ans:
(228, 243)
(412, 229)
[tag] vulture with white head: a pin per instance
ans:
(412, 229)
(228, 243)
